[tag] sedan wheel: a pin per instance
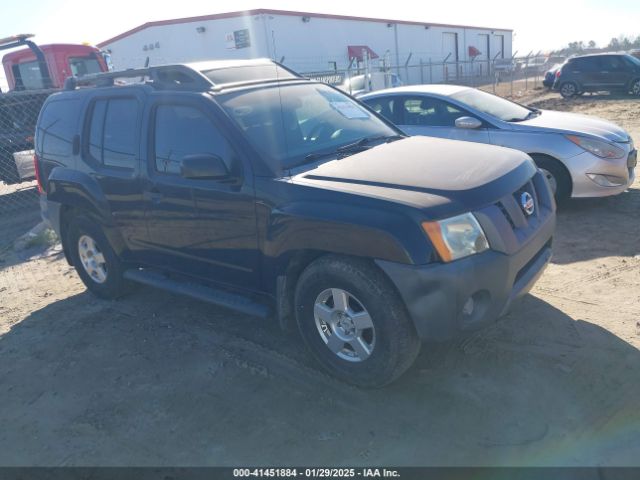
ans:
(344, 325)
(553, 182)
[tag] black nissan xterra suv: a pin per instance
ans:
(245, 185)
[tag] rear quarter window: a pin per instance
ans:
(56, 128)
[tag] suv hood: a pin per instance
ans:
(572, 123)
(441, 177)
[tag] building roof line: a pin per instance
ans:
(247, 13)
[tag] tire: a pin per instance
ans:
(635, 88)
(9, 172)
(85, 235)
(568, 89)
(375, 321)
(557, 176)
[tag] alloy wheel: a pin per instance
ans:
(92, 259)
(344, 324)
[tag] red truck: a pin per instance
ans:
(33, 73)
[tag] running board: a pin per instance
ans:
(221, 298)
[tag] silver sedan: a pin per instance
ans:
(581, 156)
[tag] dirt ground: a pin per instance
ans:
(156, 379)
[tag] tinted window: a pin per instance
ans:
(181, 130)
(96, 129)
(583, 64)
(57, 127)
(113, 131)
(120, 125)
(611, 62)
(385, 106)
(430, 112)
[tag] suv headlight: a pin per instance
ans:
(597, 147)
(456, 237)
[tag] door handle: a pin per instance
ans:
(152, 196)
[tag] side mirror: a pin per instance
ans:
(468, 122)
(203, 166)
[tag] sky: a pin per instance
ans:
(539, 25)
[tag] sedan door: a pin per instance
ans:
(433, 117)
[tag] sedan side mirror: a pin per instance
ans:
(203, 166)
(468, 122)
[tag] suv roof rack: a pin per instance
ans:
(170, 77)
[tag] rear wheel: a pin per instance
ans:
(97, 264)
(354, 322)
(635, 88)
(568, 89)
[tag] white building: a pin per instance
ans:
(313, 42)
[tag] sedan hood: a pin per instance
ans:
(446, 177)
(572, 123)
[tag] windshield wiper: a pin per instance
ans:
(363, 142)
(533, 113)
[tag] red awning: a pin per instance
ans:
(358, 52)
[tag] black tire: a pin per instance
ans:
(9, 172)
(115, 285)
(568, 89)
(635, 88)
(396, 343)
(559, 175)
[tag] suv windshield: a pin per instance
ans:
(290, 123)
(492, 105)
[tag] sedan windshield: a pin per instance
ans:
(492, 105)
(291, 123)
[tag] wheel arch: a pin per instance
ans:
(544, 157)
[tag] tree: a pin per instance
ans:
(592, 44)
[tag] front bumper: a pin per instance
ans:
(587, 163)
(437, 295)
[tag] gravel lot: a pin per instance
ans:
(155, 379)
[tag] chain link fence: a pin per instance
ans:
(364, 76)
(19, 200)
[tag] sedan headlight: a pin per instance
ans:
(597, 147)
(456, 237)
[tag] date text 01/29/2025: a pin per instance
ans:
(315, 473)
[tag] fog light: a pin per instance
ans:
(607, 180)
(468, 307)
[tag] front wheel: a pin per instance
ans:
(558, 178)
(635, 88)
(97, 264)
(354, 322)
(568, 90)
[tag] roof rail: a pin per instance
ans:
(170, 77)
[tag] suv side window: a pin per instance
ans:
(56, 129)
(583, 64)
(112, 132)
(611, 63)
(182, 130)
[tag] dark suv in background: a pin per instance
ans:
(247, 186)
(607, 72)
